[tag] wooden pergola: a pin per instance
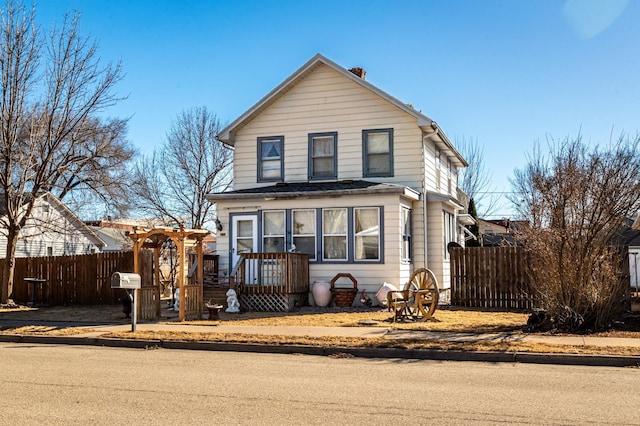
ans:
(191, 299)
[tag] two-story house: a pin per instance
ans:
(330, 165)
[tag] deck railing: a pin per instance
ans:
(272, 273)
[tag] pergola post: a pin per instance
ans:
(154, 238)
(182, 255)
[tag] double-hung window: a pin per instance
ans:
(406, 234)
(366, 233)
(270, 160)
(334, 234)
(273, 233)
(449, 232)
(323, 150)
(377, 152)
(304, 231)
(437, 168)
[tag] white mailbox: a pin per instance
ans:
(125, 280)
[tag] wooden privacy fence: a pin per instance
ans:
(490, 277)
(76, 280)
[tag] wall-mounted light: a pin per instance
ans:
(218, 224)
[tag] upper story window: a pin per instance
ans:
(323, 162)
(270, 160)
(437, 167)
(449, 177)
(377, 152)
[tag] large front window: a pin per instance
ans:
(270, 164)
(334, 234)
(323, 155)
(377, 148)
(366, 233)
(273, 232)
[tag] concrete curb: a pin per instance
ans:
(416, 354)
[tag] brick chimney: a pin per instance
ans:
(360, 72)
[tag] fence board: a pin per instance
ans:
(71, 280)
(491, 277)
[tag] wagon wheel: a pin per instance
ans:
(424, 279)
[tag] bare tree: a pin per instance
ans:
(52, 86)
(96, 168)
(576, 199)
(191, 163)
(475, 180)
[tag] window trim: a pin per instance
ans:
(284, 230)
(379, 258)
(407, 234)
(437, 167)
(448, 224)
(311, 137)
(347, 258)
(319, 233)
(315, 234)
(365, 153)
(260, 170)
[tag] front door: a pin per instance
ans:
(245, 240)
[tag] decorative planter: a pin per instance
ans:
(321, 291)
(381, 295)
(343, 297)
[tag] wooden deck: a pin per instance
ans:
(272, 281)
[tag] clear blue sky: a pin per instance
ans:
(507, 73)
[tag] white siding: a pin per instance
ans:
(370, 276)
(53, 229)
(326, 101)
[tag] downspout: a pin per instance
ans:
(425, 138)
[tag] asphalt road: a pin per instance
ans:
(51, 384)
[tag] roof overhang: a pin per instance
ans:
(466, 219)
(270, 194)
(435, 197)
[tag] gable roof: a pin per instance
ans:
(52, 199)
(227, 135)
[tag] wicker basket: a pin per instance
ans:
(343, 297)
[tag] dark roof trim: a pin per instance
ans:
(286, 191)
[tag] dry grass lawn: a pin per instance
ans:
(449, 319)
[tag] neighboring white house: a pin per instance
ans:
(53, 230)
(332, 166)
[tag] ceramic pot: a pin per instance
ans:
(321, 291)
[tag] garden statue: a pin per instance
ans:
(176, 303)
(233, 306)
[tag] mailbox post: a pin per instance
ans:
(128, 282)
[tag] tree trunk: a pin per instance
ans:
(9, 267)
